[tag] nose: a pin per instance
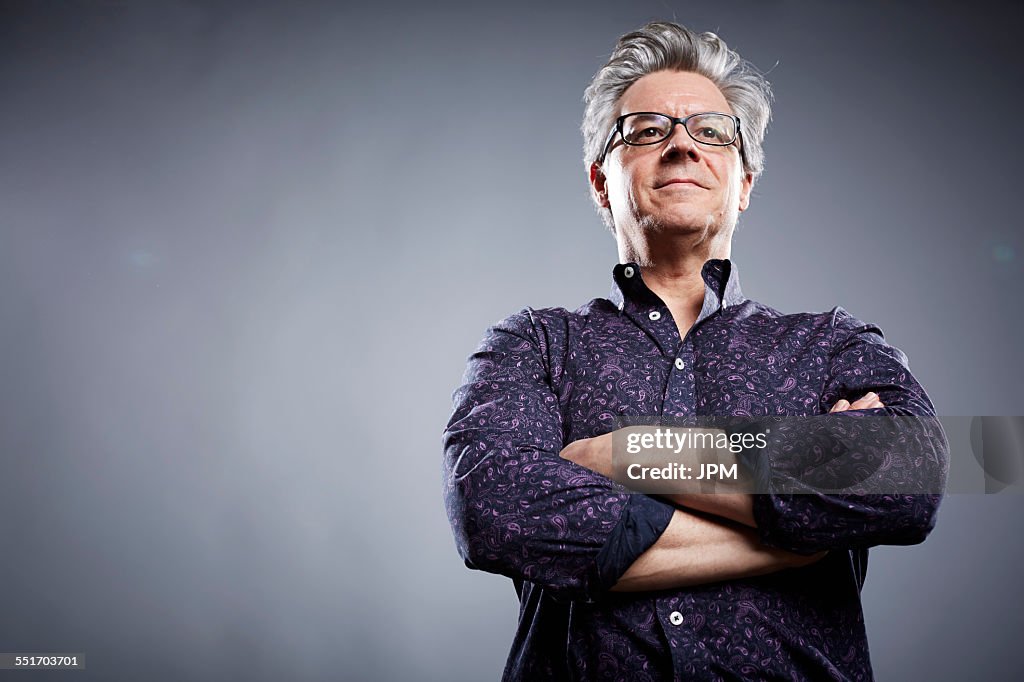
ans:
(680, 143)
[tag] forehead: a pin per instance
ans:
(673, 92)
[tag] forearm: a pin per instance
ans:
(796, 507)
(738, 507)
(695, 550)
(596, 454)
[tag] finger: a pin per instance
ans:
(864, 401)
(840, 406)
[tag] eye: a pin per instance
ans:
(711, 134)
(645, 128)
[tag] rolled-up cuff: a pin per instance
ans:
(642, 522)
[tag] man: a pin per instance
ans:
(623, 586)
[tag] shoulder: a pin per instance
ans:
(540, 323)
(546, 333)
(850, 330)
(537, 332)
(838, 320)
(853, 336)
(845, 322)
(834, 329)
(537, 335)
(532, 323)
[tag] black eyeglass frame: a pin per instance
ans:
(617, 128)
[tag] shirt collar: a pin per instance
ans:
(721, 285)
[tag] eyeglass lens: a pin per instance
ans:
(715, 129)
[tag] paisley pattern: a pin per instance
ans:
(543, 378)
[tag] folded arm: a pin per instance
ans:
(520, 510)
(901, 444)
(697, 549)
(597, 455)
(801, 467)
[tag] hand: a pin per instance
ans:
(868, 402)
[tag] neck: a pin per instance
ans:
(671, 265)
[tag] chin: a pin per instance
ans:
(681, 221)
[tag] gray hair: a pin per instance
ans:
(661, 46)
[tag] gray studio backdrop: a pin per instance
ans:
(245, 251)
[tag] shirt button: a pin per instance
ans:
(654, 315)
(675, 618)
(680, 364)
(628, 272)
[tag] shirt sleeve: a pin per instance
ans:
(516, 507)
(900, 448)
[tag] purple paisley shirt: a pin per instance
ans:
(541, 379)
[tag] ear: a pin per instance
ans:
(745, 186)
(599, 185)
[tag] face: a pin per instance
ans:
(678, 184)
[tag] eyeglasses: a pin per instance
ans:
(648, 127)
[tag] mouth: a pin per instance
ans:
(684, 182)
